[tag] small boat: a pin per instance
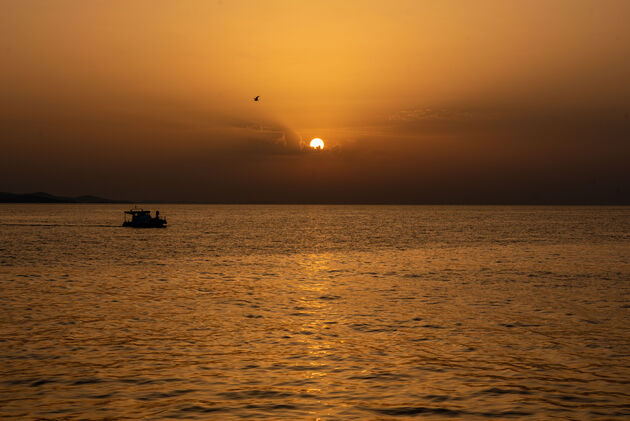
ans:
(141, 218)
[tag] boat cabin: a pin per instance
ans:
(140, 218)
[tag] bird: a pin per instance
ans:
(256, 99)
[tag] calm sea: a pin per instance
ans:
(315, 312)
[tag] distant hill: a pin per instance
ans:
(42, 197)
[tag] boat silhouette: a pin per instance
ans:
(141, 218)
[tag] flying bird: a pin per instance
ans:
(257, 96)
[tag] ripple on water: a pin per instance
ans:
(446, 412)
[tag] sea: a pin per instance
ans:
(315, 313)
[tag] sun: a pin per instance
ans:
(317, 143)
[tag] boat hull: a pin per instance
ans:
(160, 223)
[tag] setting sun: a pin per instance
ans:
(317, 143)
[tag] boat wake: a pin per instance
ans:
(58, 225)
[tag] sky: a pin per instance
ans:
(417, 101)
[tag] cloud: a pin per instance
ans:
(265, 137)
(430, 114)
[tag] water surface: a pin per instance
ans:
(315, 312)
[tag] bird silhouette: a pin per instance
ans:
(257, 96)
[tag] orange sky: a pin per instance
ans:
(417, 101)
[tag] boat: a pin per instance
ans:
(141, 218)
